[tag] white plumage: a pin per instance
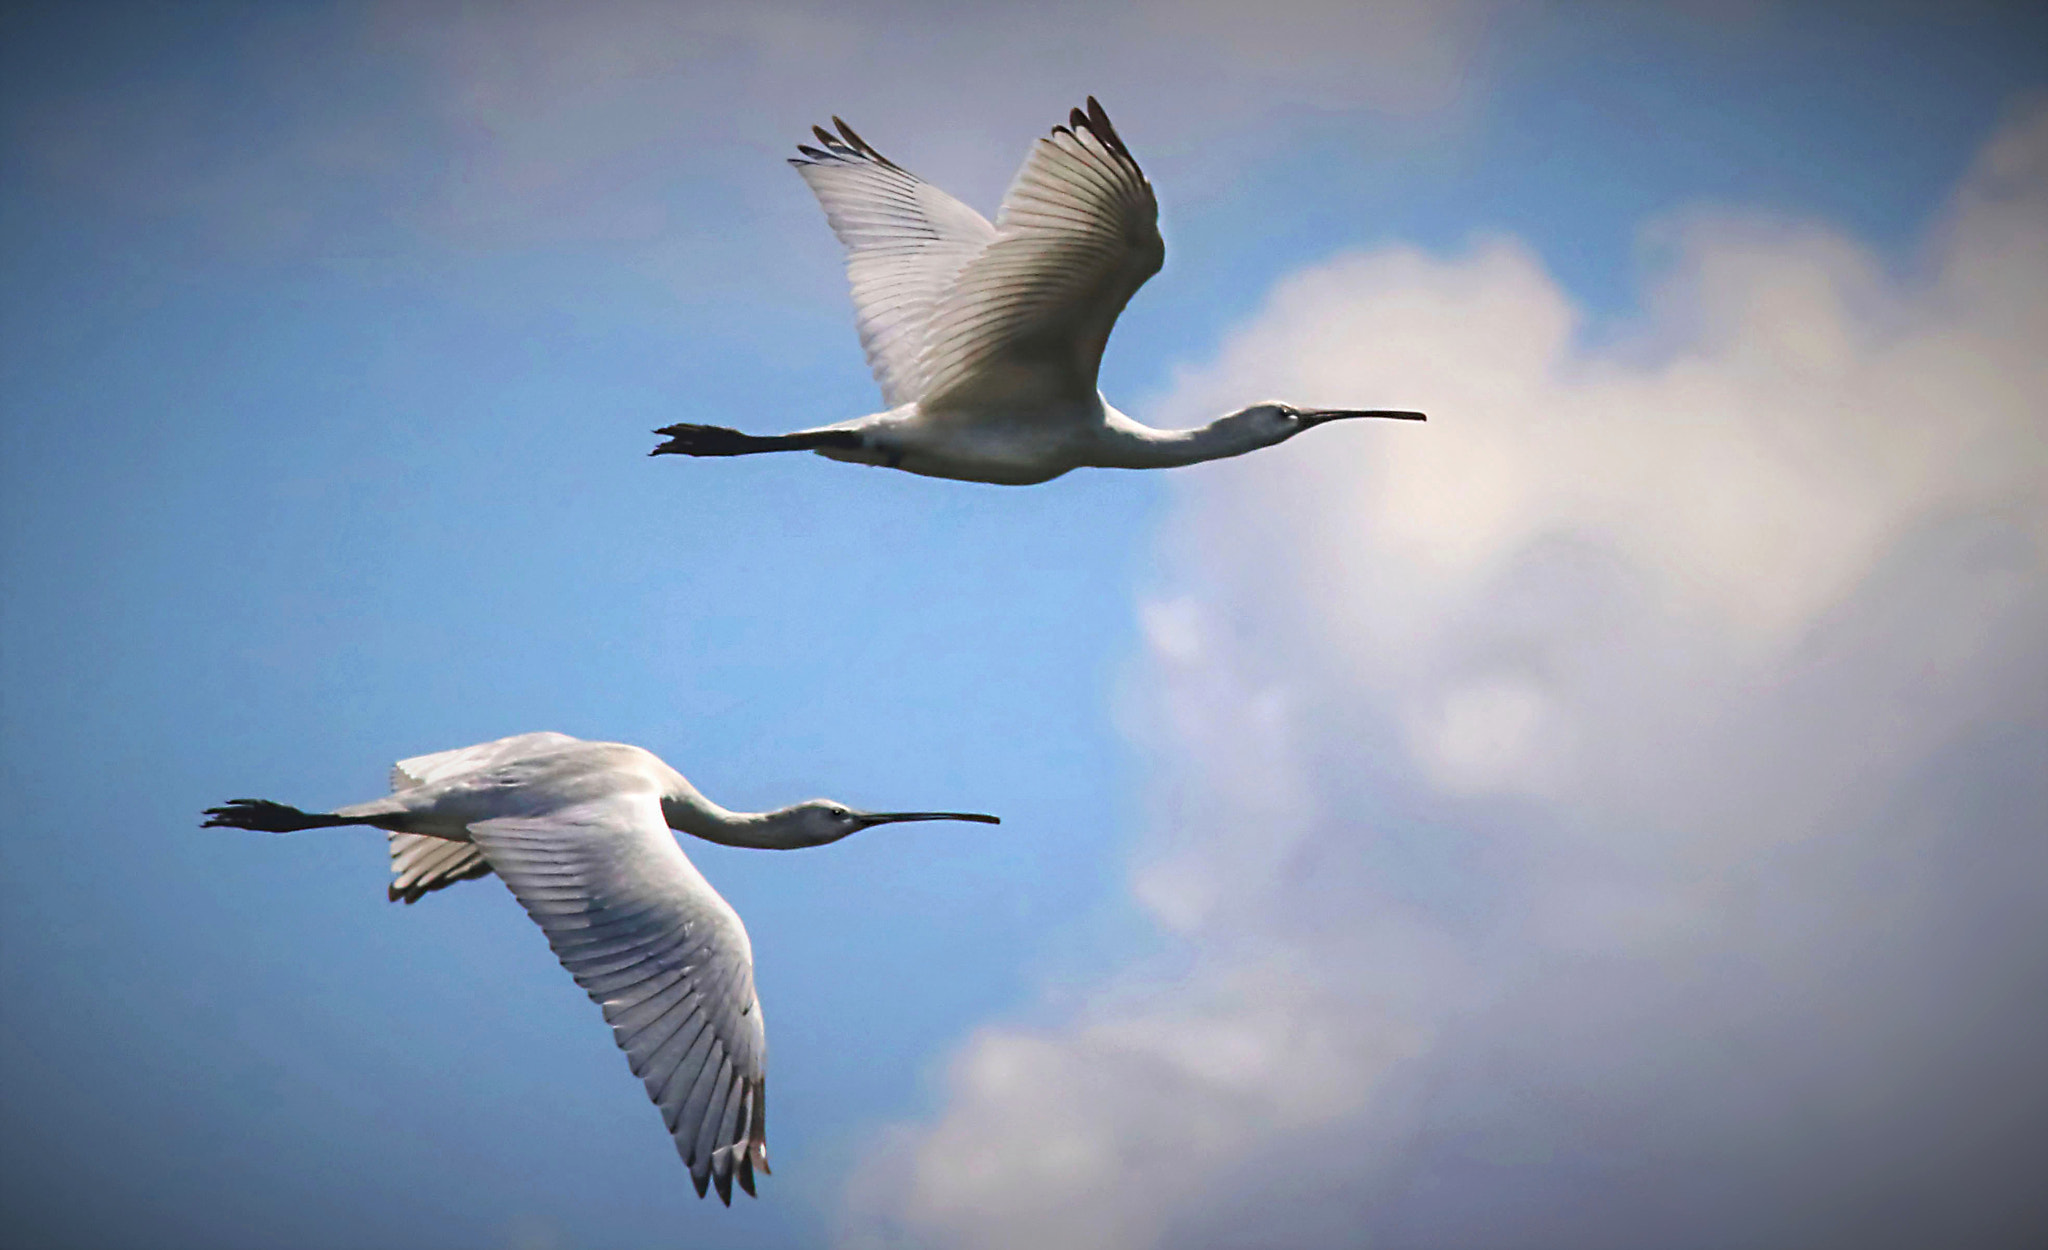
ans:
(986, 339)
(580, 832)
(667, 959)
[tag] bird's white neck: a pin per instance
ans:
(689, 812)
(1129, 444)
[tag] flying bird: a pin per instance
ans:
(580, 832)
(986, 339)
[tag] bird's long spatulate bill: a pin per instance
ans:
(1316, 416)
(890, 818)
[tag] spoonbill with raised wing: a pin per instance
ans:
(987, 339)
(580, 832)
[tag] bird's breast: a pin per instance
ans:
(1008, 447)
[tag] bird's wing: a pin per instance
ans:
(421, 864)
(905, 242)
(425, 770)
(654, 945)
(1026, 321)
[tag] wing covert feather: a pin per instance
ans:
(426, 770)
(420, 864)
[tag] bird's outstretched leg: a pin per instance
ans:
(264, 816)
(689, 439)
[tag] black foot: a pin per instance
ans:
(689, 439)
(706, 440)
(263, 816)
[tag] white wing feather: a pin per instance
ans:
(425, 770)
(666, 958)
(905, 242)
(420, 864)
(1026, 321)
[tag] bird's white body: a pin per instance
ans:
(580, 833)
(986, 338)
(1011, 446)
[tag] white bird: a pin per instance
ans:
(580, 832)
(986, 339)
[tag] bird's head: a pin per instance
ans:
(818, 821)
(1275, 422)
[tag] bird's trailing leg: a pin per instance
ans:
(689, 439)
(264, 816)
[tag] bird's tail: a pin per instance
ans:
(688, 439)
(422, 863)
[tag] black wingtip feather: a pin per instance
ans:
(862, 146)
(1098, 121)
(845, 145)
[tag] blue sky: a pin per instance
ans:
(332, 339)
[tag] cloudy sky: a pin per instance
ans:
(1608, 815)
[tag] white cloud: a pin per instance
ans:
(1483, 734)
(1607, 815)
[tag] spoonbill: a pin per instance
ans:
(986, 339)
(580, 832)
